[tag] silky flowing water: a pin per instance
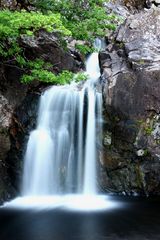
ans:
(61, 152)
(61, 155)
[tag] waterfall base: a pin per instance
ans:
(71, 202)
(133, 218)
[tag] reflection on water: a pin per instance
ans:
(136, 219)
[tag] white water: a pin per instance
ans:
(67, 202)
(61, 155)
(61, 152)
(93, 71)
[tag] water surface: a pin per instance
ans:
(134, 219)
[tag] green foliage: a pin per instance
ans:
(84, 49)
(14, 24)
(40, 71)
(85, 19)
(42, 75)
(65, 77)
(146, 152)
(148, 130)
(80, 77)
(94, 25)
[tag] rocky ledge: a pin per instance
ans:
(130, 65)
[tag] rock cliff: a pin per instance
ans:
(130, 65)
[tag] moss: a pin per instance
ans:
(140, 122)
(146, 152)
(141, 62)
(121, 45)
(158, 141)
(4, 131)
(148, 130)
(139, 177)
(146, 125)
(107, 138)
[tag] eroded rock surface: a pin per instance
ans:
(131, 77)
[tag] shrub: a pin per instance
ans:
(83, 20)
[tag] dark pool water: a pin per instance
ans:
(135, 219)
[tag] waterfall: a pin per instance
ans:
(61, 152)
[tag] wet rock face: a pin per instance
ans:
(131, 85)
(11, 94)
(24, 120)
(5, 120)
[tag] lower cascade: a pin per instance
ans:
(61, 154)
